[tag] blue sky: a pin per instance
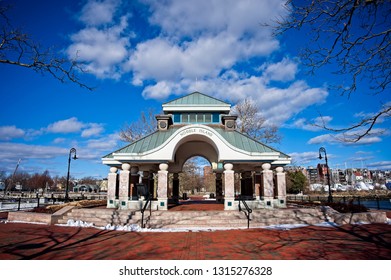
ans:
(140, 54)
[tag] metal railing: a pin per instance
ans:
(25, 201)
(374, 202)
(247, 211)
(149, 202)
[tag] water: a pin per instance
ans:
(372, 204)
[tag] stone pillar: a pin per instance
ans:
(219, 187)
(112, 187)
(134, 179)
(281, 186)
(229, 187)
(152, 185)
(246, 185)
(162, 186)
(267, 185)
(175, 188)
(124, 182)
(257, 185)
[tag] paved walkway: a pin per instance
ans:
(352, 242)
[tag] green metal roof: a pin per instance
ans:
(156, 139)
(196, 98)
(145, 144)
(244, 142)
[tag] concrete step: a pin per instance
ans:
(196, 219)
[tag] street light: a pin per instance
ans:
(71, 151)
(330, 198)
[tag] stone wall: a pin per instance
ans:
(44, 218)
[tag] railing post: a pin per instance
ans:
(37, 199)
(19, 199)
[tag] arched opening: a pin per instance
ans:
(193, 178)
(196, 185)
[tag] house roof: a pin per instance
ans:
(196, 101)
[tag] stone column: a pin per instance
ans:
(112, 187)
(124, 183)
(281, 186)
(134, 179)
(162, 186)
(267, 185)
(152, 185)
(219, 187)
(175, 188)
(229, 187)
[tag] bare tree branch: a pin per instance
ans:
(145, 125)
(18, 49)
(250, 122)
(363, 128)
(353, 35)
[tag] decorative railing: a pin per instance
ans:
(247, 211)
(148, 202)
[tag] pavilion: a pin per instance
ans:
(196, 125)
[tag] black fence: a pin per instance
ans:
(25, 201)
(371, 202)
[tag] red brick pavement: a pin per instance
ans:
(352, 242)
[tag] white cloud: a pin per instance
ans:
(311, 125)
(101, 50)
(92, 130)
(276, 104)
(73, 125)
(303, 158)
(283, 71)
(344, 139)
(98, 12)
(103, 144)
(325, 138)
(203, 41)
(65, 126)
(10, 132)
(191, 44)
(189, 18)
(380, 164)
(161, 59)
(18, 150)
(59, 140)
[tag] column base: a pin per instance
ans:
(112, 203)
(281, 202)
(162, 204)
(268, 202)
(229, 204)
(123, 203)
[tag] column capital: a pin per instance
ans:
(113, 169)
(125, 166)
(280, 169)
(163, 167)
(266, 166)
(228, 166)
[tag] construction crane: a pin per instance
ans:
(13, 175)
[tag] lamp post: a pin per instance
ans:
(71, 151)
(330, 198)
